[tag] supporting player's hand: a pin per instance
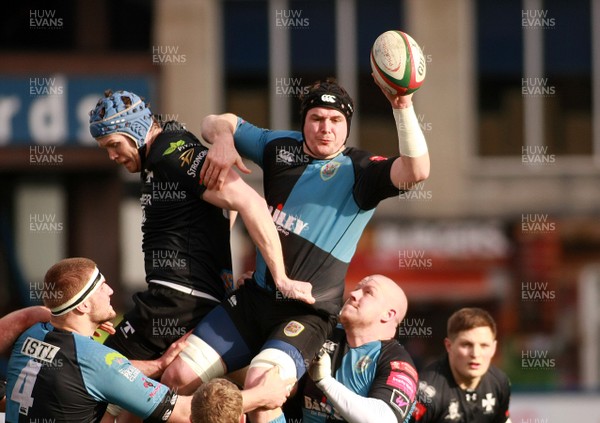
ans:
(290, 289)
(219, 160)
(106, 327)
(173, 351)
(320, 368)
(276, 389)
(242, 279)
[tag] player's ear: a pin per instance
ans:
(85, 307)
(390, 314)
(447, 344)
(494, 344)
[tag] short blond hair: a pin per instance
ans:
(217, 401)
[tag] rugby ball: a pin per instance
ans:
(398, 62)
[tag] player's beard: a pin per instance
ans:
(105, 317)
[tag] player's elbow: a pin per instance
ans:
(420, 168)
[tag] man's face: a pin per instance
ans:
(325, 132)
(122, 150)
(102, 310)
(365, 304)
(470, 355)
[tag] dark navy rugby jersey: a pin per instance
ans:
(186, 239)
(59, 376)
(440, 399)
(380, 369)
(320, 207)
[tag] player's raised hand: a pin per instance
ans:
(222, 156)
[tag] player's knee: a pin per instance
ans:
(197, 363)
(175, 376)
(268, 358)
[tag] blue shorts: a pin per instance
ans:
(252, 319)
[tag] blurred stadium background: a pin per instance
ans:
(508, 220)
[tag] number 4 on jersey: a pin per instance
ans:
(23, 388)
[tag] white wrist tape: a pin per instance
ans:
(114, 410)
(411, 140)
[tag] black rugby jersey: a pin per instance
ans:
(440, 399)
(186, 240)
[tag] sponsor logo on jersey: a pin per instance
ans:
(173, 146)
(286, 222)
(291, 155)
(186, 157)
(293, 328)
(193, 170)
(127, 328)
(362, 364)
(321, 408)
(40, 350)
(111, 357)
(232, 301)
(400, 402)
(330, 346)
(166, 416)
(453, 413)
(403, 366)
(404, 383)
(129, 372)
(329, 170)
(426, 389)
(227, 278)
(285, 156)
(488, 403)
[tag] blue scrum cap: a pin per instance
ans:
(122, 112)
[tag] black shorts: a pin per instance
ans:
(160, 316)
(253, 319)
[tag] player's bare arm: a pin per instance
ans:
(218, 130)
(15, 323)
(237, 195)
